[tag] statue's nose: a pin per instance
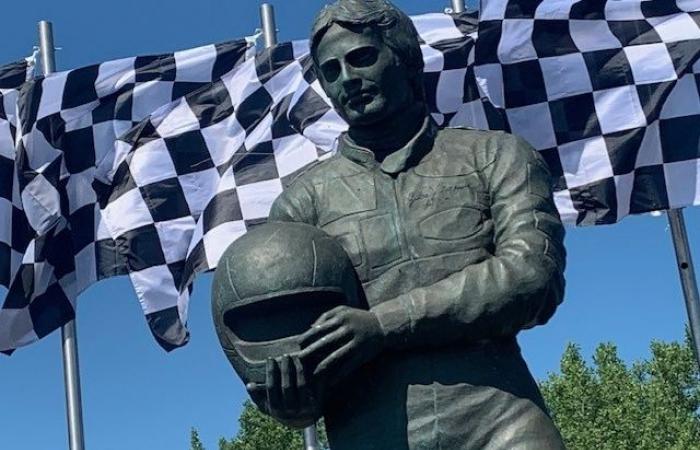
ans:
(349, 77)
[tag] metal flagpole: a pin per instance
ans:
(269, 27)
(457, 6)
(69, 338)
(687, 274)
(311, 438)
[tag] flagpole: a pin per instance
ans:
(269, 28)
(69, 338)
(686, 271)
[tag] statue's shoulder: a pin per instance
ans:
(464, 151)
(479, 147)
(318, 172)
(473, 136)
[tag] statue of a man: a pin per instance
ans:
(456, 241)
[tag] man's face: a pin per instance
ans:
(362, 76)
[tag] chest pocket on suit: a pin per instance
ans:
(454, 201)
(343, 204)
(344, 197)
(453, 224)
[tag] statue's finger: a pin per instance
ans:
(300, 372)
(270, 373)
(289, 387)
(307, 400)
(256, 389)
(316, 332)
(326, 345)
(328, 315)
(273, 385)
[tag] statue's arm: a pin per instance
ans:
(518, 287)
(295, 204)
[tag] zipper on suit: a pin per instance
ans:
(399, 221)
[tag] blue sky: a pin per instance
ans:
(622, 280)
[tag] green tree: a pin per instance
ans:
(195, 443)
(650, 405)
(260, 432)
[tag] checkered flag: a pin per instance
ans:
(14, 229)
(69, 122)
(194, 177)
(607, 91)
(15, 232)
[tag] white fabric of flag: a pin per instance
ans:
(69, 122)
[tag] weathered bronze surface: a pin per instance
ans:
(456, 241)
(272, 284)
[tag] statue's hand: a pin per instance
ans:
(286, 395)
(339, 342)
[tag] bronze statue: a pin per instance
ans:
(456, 241)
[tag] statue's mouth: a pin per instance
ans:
(360, 98)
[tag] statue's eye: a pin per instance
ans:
(363, 56)
(331, 70)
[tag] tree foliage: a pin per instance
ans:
(260, 432)
(650, 405)
(195, 443)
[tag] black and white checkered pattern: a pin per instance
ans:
(14, 229)
(15, 232)
(569, 79)
(607, 91)
(196, 175)
(69, 123)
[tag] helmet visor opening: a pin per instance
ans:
(280, 317)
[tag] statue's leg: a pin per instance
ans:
(482, 417)
(523, 425)
(496, 405)
(451, 399)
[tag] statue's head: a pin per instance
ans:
(368, 59)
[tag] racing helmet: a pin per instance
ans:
(271, 285)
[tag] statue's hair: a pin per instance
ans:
(396, 29)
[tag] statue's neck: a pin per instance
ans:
(389, 135)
